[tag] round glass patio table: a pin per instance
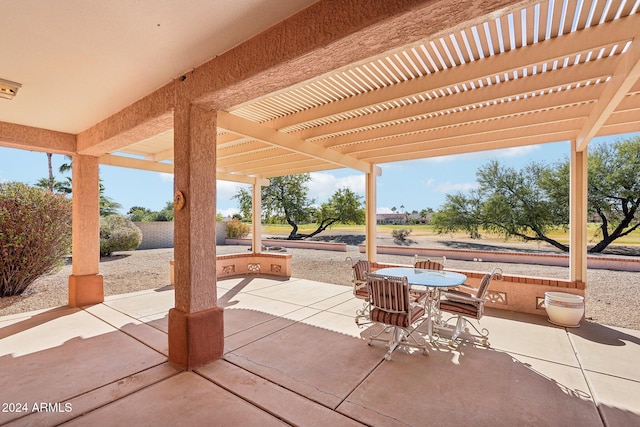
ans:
(429, 278)
(434, 279)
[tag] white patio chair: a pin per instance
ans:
(360, 269)
(393, 308)
(465, 304)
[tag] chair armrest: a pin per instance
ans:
(416, 305)
(457, 292)
(420, 295)
(461, 297)
(466, 289)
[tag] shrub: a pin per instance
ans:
(117, 233)
(401, 234)
(35, 235)
(237, 229)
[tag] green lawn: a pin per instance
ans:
(427, 230)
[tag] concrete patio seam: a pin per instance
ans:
(586, 379)
(307, 305)
(126, 333)
(295, 380)
(611, 375)
(359, 384)
(33, 415)
(262, 408)
(125, 395)
(293, 322)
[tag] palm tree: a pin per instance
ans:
(51, 179)
(107, 205)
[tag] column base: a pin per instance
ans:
(195, 339)
(85, 290)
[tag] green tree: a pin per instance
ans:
(142, 214)
(51, 177)
(459, 212)
(107, 205)
(614, 189)
(59, 187)
(509, 202)
(285, 200)
(345, 205)
(139, 214)
(517, 204)
(529, 203)
(167, 213)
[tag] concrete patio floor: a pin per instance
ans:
(294, 356)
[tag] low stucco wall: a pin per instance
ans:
(301, 244)
(604, 262)
(230, 265)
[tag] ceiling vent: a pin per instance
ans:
(8, 89)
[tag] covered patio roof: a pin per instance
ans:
(545, 72)
(427, 85)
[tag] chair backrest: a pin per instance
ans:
(486, 281)
(360, 270)
(428, 263)
(389, 293)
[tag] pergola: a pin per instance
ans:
(349, 84)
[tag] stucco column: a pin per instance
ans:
(578, 215)
(256, 215)
(85, 283)
(196, 328)
(370, 200)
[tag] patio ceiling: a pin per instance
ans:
(554, 71)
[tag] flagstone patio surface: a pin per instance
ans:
(294, 356)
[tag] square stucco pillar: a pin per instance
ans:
(578, 215)
(85, 283)
(196, 327)
(370, 213)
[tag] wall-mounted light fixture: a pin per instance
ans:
(8, 89)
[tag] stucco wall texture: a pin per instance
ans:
(156, 235)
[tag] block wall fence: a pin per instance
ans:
(159, 234)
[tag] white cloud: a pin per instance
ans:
(516, 151)
(428, 182)
(448, 187)
(513, 152)
(227, 189)
(228, 212)
(323, 185)
(166, 177)
(383, 210)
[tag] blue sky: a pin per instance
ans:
(416, 184)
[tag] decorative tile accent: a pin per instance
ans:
(253, 267)
(540, 303)
(227, 269)
(497, 297)
(276, 268)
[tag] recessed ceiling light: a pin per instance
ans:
(8, 89)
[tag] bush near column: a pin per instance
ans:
(35, 235)
(237, 229)
(117, 233)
